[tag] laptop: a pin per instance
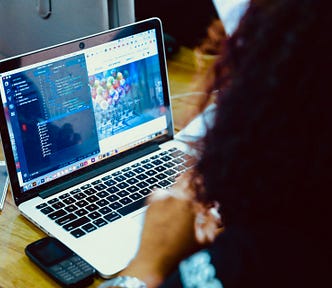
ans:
(87, 133)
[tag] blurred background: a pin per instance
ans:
(27, 25)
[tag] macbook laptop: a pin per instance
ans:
(87, 133)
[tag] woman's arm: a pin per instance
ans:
(169, 234)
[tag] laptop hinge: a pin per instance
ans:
(131, 156)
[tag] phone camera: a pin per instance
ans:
(81, 45)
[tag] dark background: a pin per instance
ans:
(185, 22)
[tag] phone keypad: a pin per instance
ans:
(74, 268)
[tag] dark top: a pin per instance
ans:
(267, 257)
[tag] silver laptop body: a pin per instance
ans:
(85, 119)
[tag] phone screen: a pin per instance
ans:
(51, 252)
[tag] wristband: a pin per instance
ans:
(124, 282)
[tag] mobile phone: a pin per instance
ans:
(3, 183)
(60, 263)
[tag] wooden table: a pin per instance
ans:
(186, 76)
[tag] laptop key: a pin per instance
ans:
(91, 207)
(179, 168)
(112, 216)
(151, 180)
(81, 212)
(116, 173)
(151, 172)
(166, 158)
(66, 219)
(132, 189)
(76, 223)
(69, 200)
(132, 181)
(105, 210)
(92, 198)
(82, 203)
(102, 194)
(148, 166)
(123, 193)
(89, 227)
(120, 178)
(154, 186)
(53, 201)
(161, 176)
(146, 191)
(141, 176)
(99, 222)
(63, 196)
(115, 205)
(113, 189)
(129, 174)
(57, 214)
(100, 187)
(79, 196)
(90, 191)
(77, 233)
(102, 203)
(178, 160)
(157, 162)
(58, 205)
(169, 164)
(107, 177)
(125, 169)
(94, 215)
(160, 168)
(164, 183)
(112, 198)
(142, 184)
(135, 196)
(71, 208)
(75, 191)
(86, 186)
(170, 172)
(125, 201)
(132, 207)
(96, 182)
(42, 205)
(122, 185)
(177, 153)
(110, 182)
(47, 210)
(139, 170)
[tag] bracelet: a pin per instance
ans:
(124, 282)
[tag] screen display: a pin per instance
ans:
(50, 252)
(73, 111)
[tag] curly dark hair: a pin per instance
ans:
(268, 157)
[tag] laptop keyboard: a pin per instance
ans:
(111, 197)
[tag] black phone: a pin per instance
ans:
(60, 263)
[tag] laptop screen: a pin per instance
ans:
(76, 110)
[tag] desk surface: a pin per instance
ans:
(185, 78)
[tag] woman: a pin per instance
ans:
(266, 161)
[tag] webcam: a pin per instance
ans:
(81, 45)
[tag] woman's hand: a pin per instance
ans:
(170, 233)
